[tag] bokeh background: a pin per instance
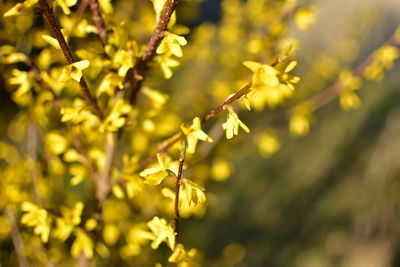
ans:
(330, 198)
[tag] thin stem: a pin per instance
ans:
(140, 69)
(16, 237)
(98, 21)
(55, 28)
(178, 182)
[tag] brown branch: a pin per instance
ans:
(141, 67)
(98, 21)
(178, 182)
(55, 28)
(16, 237)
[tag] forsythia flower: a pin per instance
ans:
(181, 255)
(348, 99)
(19, 8)
(74, 71)
(299, 124)
(117, 117)
(194, 193)
(65, 4)
(172, 43)
(271, 87)
(231, 126)
(37, 218)
(268, 144)
(304, 18)
(194, 133)
(22, 79)
(166, 62)
(83, 243)
(124, 60)
(66, 223)
(56, 143)
(155, 175)
(160, 232)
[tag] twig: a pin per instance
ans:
(98, 21)
(16, 237)
(49, 16)
(141, 66)
(178, 182)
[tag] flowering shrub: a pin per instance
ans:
(98, 160)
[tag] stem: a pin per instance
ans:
(55, 28)
(140, 69)
(16, 237)
(98, 21)
(178, 182)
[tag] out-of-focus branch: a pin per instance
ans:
(16, 237)
(55, 28)
(98, 21)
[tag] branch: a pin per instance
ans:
(141, 67)
(98, 21)
(49, 16)
(16, 237)
(178, 182)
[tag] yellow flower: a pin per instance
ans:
(181, 255)
(20, 8)
(38, 219)
(166, 62)
(299, 124)
(155, 175)
(74, 71)
(160, 232)
(231, 126)
(349, 100)
(117, 117)
(194, 193)
(268, 144)
(304, 18)
(172, 43)
(124, 60)
(262, 74)
(56, 143)
(22, 79)
(194, 133)
(65, 4)
(83, 243)
(69, 219)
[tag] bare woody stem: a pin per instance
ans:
(98, 21)
(140, 69)
(16, 237)
(178, 182)
(55, 28)
(242, 92)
